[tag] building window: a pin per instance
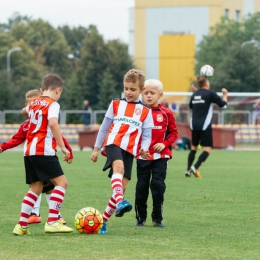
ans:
(226, 13)
(237, 15)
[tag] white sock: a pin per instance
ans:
(36, 208)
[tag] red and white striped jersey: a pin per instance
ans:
(40, 140)
(129, 118)
(164, 131)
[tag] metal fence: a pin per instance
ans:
(96, 117)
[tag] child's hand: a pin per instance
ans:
(66, 152)
(1, 150)
(158, 147)
(69, 161)
(144, 154)
(94, 156)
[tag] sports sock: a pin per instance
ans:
(36, 208)
(117, 187)
(56, 199)
(202, 158)
(191, 158)
(110, 209)
(27, 205)
(48, 199)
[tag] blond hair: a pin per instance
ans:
(154, 83)
(32, 94)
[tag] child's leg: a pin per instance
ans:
(56, 198)
(110, 209)
(158, 188)
(36, 208)
(116, 180)
(28, 203)
(142, 189)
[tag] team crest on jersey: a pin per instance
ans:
(138, 111)
(159, 118)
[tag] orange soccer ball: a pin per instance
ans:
(88, 220)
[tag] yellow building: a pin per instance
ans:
(164, 35)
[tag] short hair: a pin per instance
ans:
(51, 81)
(202, 81)
(135, 76)
(32, 93)
(154, 83)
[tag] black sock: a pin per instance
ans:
(191, 158)
(203, 157)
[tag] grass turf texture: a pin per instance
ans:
(215, 217)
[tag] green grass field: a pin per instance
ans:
(215, 217)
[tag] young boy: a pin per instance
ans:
(40, 160)
(18, 139)
(126, 119)
(164, 134)
(201, 103)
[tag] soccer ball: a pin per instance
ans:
(207, 71)
(88, 220)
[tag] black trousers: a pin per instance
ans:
(150, 174)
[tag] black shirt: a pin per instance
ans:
(201, 103)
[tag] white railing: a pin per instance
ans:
(221, 117)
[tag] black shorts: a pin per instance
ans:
(116, 153)
(47, 186)
(204, 138)
(41, 168)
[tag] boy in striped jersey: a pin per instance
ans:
(18, 139)
(40, 160)
(125, 121)
(164, 134)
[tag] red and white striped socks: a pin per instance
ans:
(117, 187)
(110, 209)
(55, 203)
(27, 206)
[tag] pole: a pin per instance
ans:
(8, 63)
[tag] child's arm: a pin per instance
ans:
(172, 131)
(55, 129)
(17, 139)
(172, 134)
(101, 137)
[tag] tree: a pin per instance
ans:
(75, 37)
(93, 62)
(236, 65)
(107, 90)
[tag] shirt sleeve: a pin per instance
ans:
(146, 138)
(54, 110)
(172, 131)
(17, 139)
(148, 122)
(216, 99)
(103, 132)
(110, 111)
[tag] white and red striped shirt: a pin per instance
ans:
(129, 118)
(164, 131)
(40, 140)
